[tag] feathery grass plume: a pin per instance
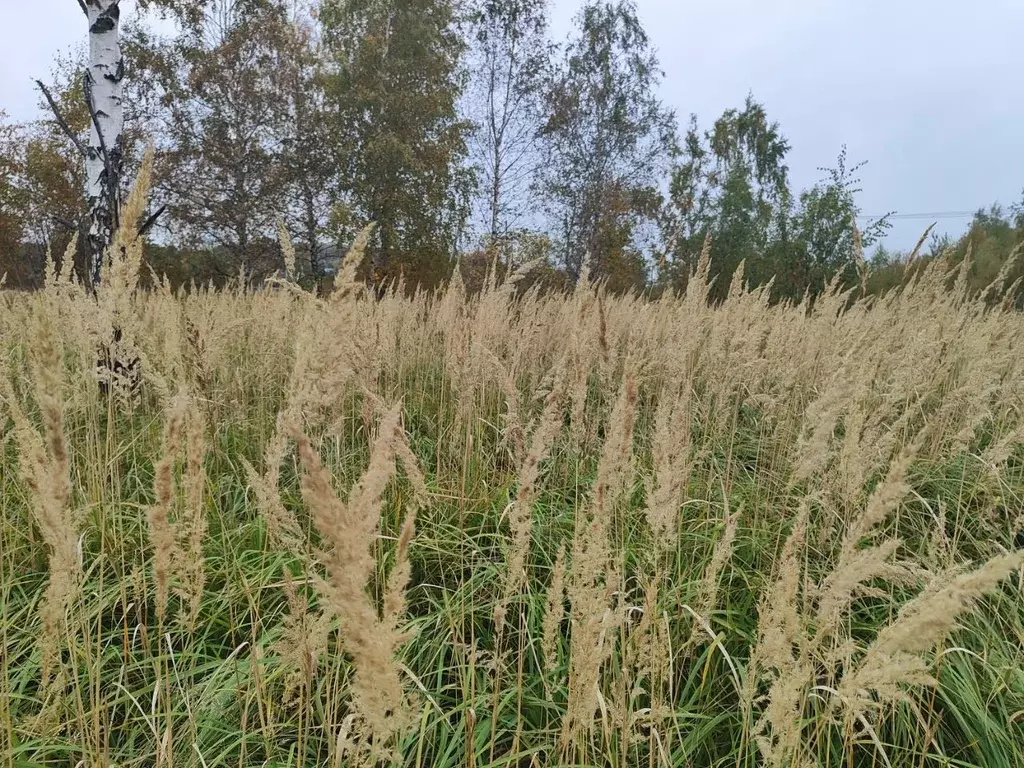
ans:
(124, 257)
(998, 453)
(401, 573)
(45, 467)
(707, 592)
(515, 432)
(115, 320)
(647, 663)
(554, 612)
(894, 658)
(284, 240)
(886, 496)
(413, 473)
(698, 286)
(593, 581)
(1010, 297)
(583, 342)
(350, 530)
(672, 457)
(779, 657)
(736, 283)
(996, 287)
(917, 249)
(962, 285)
(820, 417)
(49, 270)
(282, 526)
(303, 641)
(192, 522)
(161, 531)
(345, 283)
(520, 512)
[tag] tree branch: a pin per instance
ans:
(60, 119)
(148, 224)
(81, 4)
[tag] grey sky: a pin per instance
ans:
(926, 90)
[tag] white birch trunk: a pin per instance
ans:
(104, 153)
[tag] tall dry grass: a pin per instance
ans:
(509, 528)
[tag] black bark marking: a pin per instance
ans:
(112, 369)
(103, 24)
(118, 75)
(107, 20)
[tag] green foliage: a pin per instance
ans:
(824, 228)
(988, 256)
(454, 125)
(395, 93)
(732, 186)
(12, 202)
(608, 141)
(219, 88)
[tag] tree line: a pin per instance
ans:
(461, 128)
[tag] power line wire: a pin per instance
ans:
(938, 215)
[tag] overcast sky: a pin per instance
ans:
(927, 91)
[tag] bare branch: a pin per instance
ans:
(81, 4)
(60, 119)
(151, 221)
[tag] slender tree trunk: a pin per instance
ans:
(312, 230)
(104, 155)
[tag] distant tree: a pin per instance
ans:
(309, 143)
(608, 141)
(223, 94)
(12, 196)
(731, 184)
(825, 228)
(509, 58)
(395, 90)
(45, 169)
(992, 239)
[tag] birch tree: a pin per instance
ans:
(103, 150)
(510, 55)
(609, 141)
(310, 144)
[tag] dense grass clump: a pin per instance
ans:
(509, 529)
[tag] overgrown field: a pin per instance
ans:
(510, 529)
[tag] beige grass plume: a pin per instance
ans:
(350, 531)
(520, 512)
(593, 581)
(45, 467)
(895, 659)
(166, 553)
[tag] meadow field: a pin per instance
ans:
(507, 528)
